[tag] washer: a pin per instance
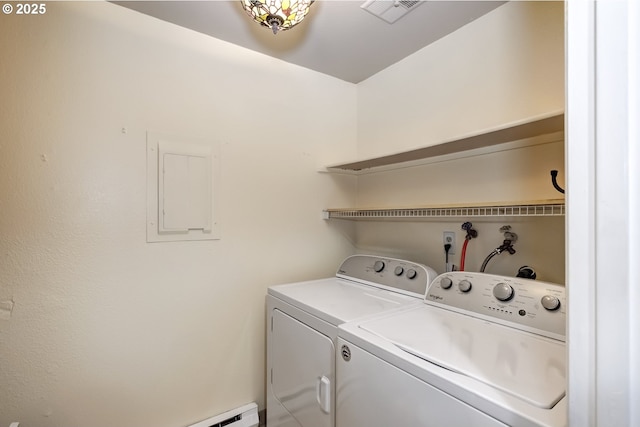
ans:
(482, 350)
(302, 327)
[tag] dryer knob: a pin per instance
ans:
(411, 274)
(550, 302)
(378, 266)
(503, 292)
(464, 286)
(445, 283)
(398, 271)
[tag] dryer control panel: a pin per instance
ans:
(529, 305)
(388, 273)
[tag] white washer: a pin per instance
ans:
(302, 327)
(482, 351)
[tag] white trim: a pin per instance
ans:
(633, 22)
(603, 207)
(580, 228)
(612, 221)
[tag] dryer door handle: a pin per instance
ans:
(323, 394)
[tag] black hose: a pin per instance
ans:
(554, 176)
(487, 259)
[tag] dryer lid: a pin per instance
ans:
(525, 365)
(337, 300)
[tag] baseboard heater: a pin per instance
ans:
(244, 416)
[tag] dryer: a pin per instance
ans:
(302, 327)
(482, 350)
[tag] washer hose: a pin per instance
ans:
(507, 245)
(471, 233)
(463, 254)
(488, 258)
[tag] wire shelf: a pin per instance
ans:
(556, 209)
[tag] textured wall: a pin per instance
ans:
(98, 327)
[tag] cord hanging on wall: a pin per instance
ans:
(554, 176)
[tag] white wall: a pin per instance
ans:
(505, 66)
(515, 175)
(106, 329)
(501, 68)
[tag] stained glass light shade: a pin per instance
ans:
(277, 14)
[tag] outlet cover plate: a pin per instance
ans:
(450, 238)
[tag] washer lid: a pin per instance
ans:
(525, 365)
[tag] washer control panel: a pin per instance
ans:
(388, 273)
(529, 305)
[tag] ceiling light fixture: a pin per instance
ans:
(277, 14)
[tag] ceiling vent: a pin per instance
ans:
(389, 10)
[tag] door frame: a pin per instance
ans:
(603, 211)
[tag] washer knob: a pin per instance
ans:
(378, 266)
(503, 292)
(445, 283)
(411, 274)
(464, 285)
(550, 302)
(398, 271)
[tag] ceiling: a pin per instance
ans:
(337, 38)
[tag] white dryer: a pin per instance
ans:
(482, 351)
(302, 327)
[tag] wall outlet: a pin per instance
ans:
(449, 237)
